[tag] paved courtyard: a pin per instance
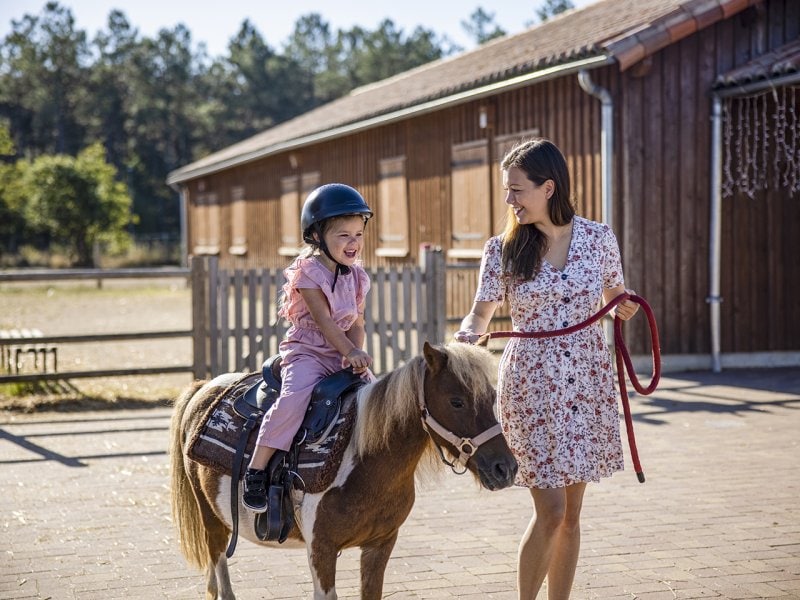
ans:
(84, 510)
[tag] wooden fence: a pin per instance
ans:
(237, 327)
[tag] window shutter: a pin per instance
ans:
(471, 199)
(502, 144)
(290, 216)
(238, 221)
(392, 213)
(206, 224)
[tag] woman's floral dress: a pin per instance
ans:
(556, 397)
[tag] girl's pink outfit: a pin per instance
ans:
(307, 355)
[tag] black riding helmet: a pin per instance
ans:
(325, 202)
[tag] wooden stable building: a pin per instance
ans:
(679, 121)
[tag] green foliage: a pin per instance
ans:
(76, 201)
(481, 26)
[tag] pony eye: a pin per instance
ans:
(456, 402)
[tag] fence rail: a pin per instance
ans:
(10, 345)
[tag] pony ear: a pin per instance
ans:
(436, 359)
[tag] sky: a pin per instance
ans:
(214, 23)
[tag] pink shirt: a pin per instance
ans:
(346, 302)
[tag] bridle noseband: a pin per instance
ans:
(465, 446)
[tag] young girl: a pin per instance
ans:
(324, 297)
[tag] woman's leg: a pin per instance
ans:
(567, 546)
(538, 543)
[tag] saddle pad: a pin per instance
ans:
(213, 443)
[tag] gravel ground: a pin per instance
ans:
(80, 308)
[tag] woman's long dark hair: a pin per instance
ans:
(524, 246)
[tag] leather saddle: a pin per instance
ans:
(321, 415)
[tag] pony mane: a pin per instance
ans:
(391, 402)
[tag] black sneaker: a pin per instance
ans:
(254, 495)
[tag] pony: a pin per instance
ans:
(436, 407)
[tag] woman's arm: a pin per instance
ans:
(475, 323)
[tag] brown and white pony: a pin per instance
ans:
(443, 400)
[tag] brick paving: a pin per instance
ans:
(84, 510)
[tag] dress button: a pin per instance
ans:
(574, 408)
(567, 353)
(565, 324)
(563, 276)
(571, 380)
(566, 300)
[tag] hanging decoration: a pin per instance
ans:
(761, 137)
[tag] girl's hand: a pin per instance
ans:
(358, 359)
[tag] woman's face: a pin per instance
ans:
(345, 238)
(528, 200)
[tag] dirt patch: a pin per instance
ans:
(81, 308)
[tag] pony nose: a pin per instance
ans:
(506, 471)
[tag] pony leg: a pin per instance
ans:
(322, 562)
(373, 567)
(218, 580)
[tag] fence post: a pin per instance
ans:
(199, 317)
(436, 294)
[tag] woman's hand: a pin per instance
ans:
(466, 335)
(627, 308)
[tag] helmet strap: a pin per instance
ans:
(340, 268)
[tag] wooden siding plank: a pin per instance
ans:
(690, 163)
(671, 201)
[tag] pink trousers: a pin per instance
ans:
(300, 373)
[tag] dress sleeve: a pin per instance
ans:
(308, 274)
(491, 281)
(300, 274)
(612, 262)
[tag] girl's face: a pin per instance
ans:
(344, 237)
(527, 199)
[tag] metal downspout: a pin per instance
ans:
(606, 162)
(606, 143)
(714, 250)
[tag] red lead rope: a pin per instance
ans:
(622, 355)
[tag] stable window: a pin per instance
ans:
(471, 199)
(392, 208)
(238, 222)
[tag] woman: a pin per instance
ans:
(556, 396)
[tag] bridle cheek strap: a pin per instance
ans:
(466, 446)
